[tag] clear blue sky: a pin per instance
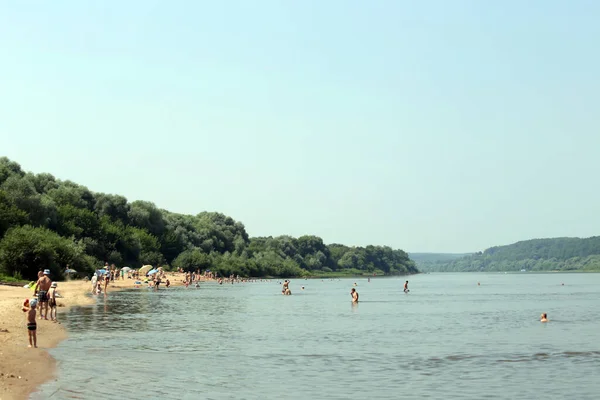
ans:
(445, 126)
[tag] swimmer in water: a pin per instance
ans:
(406, 287)
(354, 295)
(544, 317)
(302, 287)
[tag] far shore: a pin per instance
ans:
(23, 370)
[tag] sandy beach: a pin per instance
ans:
(23, 369)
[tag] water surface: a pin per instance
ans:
(447, 338)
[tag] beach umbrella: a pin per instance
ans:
(152, 272)
(70, 271)
(144, 270)
(101, 272)
(126, 269)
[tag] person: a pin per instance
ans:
(167, 284)
(94, 282)
(41, 290)
(106, 280)
(406, 287)
(285, 289)
(354, 295)
(25, 305)
(30, 313)
(52, 301)
(544, 317)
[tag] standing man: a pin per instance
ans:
(406, 287)
(41, 290)
(354, 295)
(106, 280)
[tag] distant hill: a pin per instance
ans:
(557, 254)
(427, 262)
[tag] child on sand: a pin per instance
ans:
(52, 301)
(30, 313)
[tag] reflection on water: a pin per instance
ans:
(448, 338)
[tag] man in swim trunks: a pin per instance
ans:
(41, 290)
(406, 287)
(354, 295)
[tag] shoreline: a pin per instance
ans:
(23, 369)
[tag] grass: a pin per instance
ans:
(12, 279)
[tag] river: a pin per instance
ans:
(449, 338)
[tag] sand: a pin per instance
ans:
(23, 369)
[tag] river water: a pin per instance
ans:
(447, 339)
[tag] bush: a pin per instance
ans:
(25, 250)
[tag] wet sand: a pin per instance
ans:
(23, 369)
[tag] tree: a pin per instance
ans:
(25, 250)
(113, 206)
(10, 215)
(48, 223)
(9, 168)
(145, 215)
(191, 260)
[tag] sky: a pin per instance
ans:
(430, 126)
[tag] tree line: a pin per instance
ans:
(54, 224)
(556, 254)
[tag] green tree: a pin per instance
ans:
(25, 250)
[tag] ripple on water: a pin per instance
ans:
(447, 339)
